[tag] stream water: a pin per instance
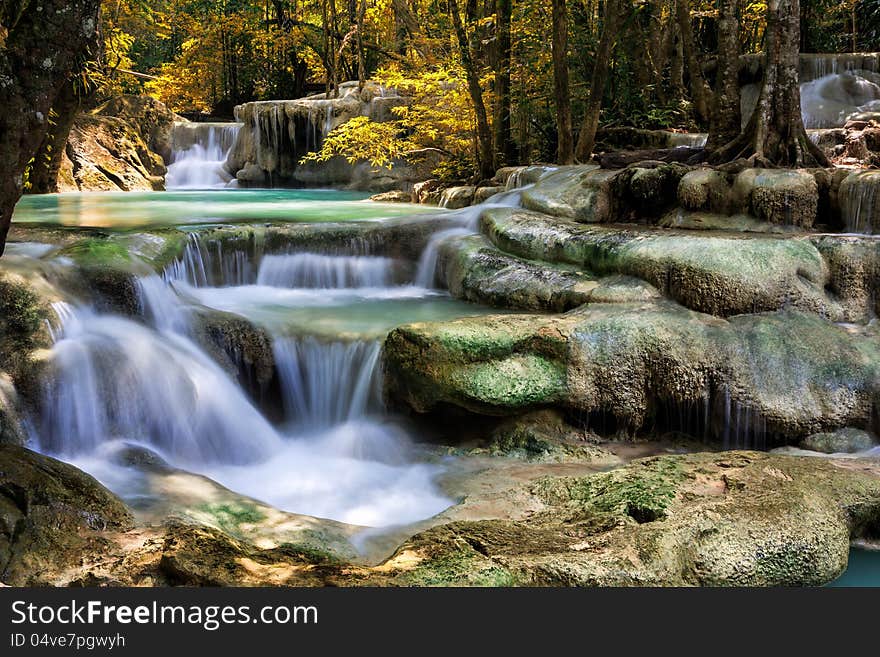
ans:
(332, 450)
(118, 382)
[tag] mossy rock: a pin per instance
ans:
(846, 440)
(51, 516)
(721, 275)
(472, 269)
(785, 374)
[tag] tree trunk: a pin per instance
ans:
(700, 91)
(587, 136)
(726, 120)
(362, 70)
(503, 141)
(486, 151)
(565, 141)
(43, 173)
(775, 135)
(38, 56)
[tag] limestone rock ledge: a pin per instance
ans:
(711, 519)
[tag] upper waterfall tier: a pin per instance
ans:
(277, 134)
(199, 151)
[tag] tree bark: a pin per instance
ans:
(486, 150)
(362, 69)
(37, 58)
(43, 172)
(726, 120)
(503, 141)
(775, 135)
(587, 137)
(565, 140)
(700, 91)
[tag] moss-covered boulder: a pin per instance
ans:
(704, 189)
(776, 375)
(779, 196)
(51, 516)
(580, 193)
(717, 274)
(842, 441)
(474, 270)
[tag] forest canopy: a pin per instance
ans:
(206, 56)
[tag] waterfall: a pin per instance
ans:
(115, 379)
(468, 220)
(199, 151)
(828, 101)
(860, 202)
(212, 263)
(328, 383)
(312, 270)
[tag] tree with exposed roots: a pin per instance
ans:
(43, 43)
(775, 135)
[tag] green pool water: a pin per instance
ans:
(333, 314)
(863, 569)
(133, 210)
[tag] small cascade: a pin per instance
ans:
(860, 202)
(160, 307)
(328, 383)
(828, 101)
(211, 263)
(426, 274)
(814, 66)
(468, 220)
(115, 379)
(312, 270)
(199, 153)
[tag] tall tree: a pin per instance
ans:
(42, 44)
(565, 140)
(700, 92)
(775, 135)
(503, 141)
(726, 118)
(486, 150)
(589, 126)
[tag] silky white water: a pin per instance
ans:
(200, 151)
(334, 452)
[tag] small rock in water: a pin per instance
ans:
(392, 197)
(847, 440)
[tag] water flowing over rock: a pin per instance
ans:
(103, 362)
(199, 152)
(276, 135)
(860, 202)
(311, 270)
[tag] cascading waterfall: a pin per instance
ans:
(313, 270)
(468, 220)
(199, 153)
(115, 379)
(328, 383)
(860, 202)
(209, 263)
(828, 101)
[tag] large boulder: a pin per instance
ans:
(51, 516)
(150, 118)
(720, 275)
(106, 153)
(474, 270)
(752, 380)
